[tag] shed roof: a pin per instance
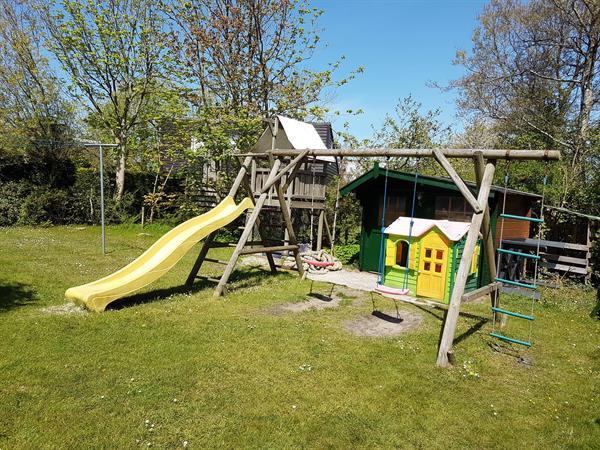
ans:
(454, 231)
(426, 180)
(325, 132)
(294, 135)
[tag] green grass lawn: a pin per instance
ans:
(171, 366)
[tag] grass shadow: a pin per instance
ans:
(472, 330)
(596, 309)
(14, 295)
(240, 278)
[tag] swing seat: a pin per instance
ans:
(390, 290)
(318, 263)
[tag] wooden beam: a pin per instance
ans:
(327, 229)
(287, 218)
(240, 176)
(451, 316)
(276, 248)
(458, 181)
(245, 235)
(547, 155)
(488, 238)
(320, 230)
(282, 172)
(290, 179)
(261, 229)
(206, 244)
(564, 259)
(215, 261)
(478, 293)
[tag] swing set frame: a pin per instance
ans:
(284, 165)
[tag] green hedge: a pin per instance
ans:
(348, 253)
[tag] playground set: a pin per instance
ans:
(443, 252)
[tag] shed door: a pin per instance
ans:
(433, 265)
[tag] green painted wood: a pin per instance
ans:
(528, 219)
(516, 283)
(512, 313)
(512, 252)
(508, 339)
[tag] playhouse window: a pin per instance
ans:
(395, 207)
(402, 253)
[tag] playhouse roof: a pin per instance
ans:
(364, 181)
(295, 135)
(454, 231)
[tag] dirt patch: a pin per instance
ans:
(66, 309)
(383, 324)
(313, 301)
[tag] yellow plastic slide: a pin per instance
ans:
(158, 259)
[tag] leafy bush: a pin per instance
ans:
(12, 195)
(45, 206)
(347, 254)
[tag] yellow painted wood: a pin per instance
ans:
(433, 265)
(390, 252)
(413, 255)
(158, 259)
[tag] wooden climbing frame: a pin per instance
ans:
(280, 178)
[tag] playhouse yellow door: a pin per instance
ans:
(431, 281)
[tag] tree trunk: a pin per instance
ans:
(121, 163)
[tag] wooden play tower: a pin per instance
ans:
(282, 166)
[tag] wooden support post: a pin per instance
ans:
(488, 238)
(200, 259)
(287, 219)
(320, 230)
(245, 234)
(240, 176)
(290, 178)
(460, 184)
(259, 226)
(297, 160)
(275, 248)
(210, 238)
(451, 316)
(328, 230)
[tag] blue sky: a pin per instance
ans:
(403, 44)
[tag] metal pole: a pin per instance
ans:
(102, 199)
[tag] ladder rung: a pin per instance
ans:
(512, 313)
(524, 255)
(508, 339)
(204, 277)
(516, 283)
(530, 219)
(216, 261)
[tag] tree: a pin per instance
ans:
(251, 55)
(112, 51)
(36, 121)
(410, 128)
(533, 71)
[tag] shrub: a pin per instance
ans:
(45, 206)
(348, 253)
(12, 195)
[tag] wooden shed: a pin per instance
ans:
(437, 198)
